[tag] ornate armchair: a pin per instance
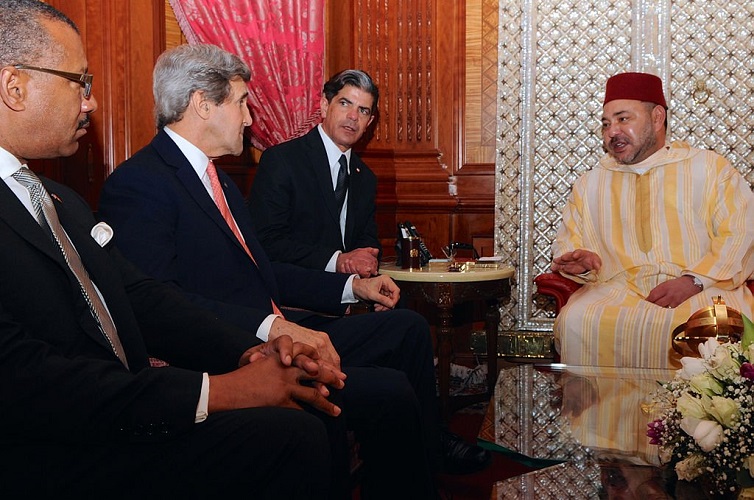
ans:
(556, 286)
(560, 288)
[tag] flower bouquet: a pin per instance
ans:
(706, 428)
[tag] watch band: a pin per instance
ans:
(697, 282)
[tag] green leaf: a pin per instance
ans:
(748, 336)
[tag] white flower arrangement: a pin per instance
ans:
(706, 428)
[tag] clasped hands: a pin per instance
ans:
(296, 365)
(381, 290)
(361, 261)
(280, 373)
(668, 294)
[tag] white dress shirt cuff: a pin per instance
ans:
(332, 266)
(263, 332)
(202, 407)
(348, 296)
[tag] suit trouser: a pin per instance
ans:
(269, 453)
(390, 395)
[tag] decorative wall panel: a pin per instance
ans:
(554, 58)
(403, 68)
(480, 100)
(712, 82)
(509, 158)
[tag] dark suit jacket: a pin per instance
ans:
(167, 224)
(59, 379)
(293, 205)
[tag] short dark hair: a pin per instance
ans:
(356, 78)
(23, 40)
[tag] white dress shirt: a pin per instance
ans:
(333, 159)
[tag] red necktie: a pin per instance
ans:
(222, 205)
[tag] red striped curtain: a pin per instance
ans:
(282, 41)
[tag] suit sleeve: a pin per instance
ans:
(58, 384)
(311, 289)
(143, 216)
(273, 195)
(50, 396)
(365, 232)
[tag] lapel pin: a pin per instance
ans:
(56, 197)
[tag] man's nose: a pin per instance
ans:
(611, 130)
(89, 104)
(248, 120)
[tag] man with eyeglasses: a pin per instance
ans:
(83, 79)
(83, 414)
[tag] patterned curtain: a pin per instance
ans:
(282, 41)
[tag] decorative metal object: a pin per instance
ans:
(716, 321)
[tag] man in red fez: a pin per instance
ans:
(650, 227)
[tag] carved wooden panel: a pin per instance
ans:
(395, 45)
(416, 51)
(480, 105)
(121, 39)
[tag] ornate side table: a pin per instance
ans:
(446, 289)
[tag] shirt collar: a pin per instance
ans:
(194, 155)
(9, 164)
(333, 151)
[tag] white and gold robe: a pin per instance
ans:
(689, 212)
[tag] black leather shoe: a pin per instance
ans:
(460, 457)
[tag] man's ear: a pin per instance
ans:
(323, 105)
(658, 117)
(12, 88)
(199, 103)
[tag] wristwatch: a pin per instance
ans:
(697, 281)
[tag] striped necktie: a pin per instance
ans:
(222, 205)
(47, 217)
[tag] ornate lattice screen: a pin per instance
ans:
(553, 60)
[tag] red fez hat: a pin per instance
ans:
(635, 86)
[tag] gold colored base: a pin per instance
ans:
(516, 344)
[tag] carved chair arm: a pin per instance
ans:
(556, 286)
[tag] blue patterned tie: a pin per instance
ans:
(48, 219)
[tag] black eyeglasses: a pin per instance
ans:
(83, 79)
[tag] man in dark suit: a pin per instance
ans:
(294, 200)
(184, 221)
(83, 413)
